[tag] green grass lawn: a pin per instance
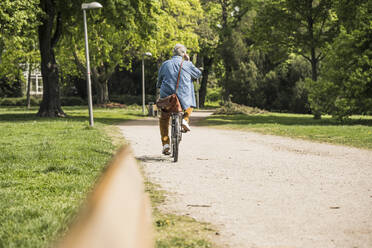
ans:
(47, 166)
(177, 231)
(357, 131)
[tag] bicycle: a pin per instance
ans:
(176, 134)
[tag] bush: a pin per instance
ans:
(10, 87)
(35, 101)
(230, 108)
(213, 94)
(72, 101)
(19, 101)
(130, 99)
(325, 98)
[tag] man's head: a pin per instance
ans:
(179, 49)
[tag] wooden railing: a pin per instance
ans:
(117, 213)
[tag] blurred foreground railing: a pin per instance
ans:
(117, 213)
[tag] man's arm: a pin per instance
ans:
(193, 70)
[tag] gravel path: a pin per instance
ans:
(263, 190)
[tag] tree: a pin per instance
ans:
(303, 27)
(176, 21)
(17, 18)
(346, 81)
(119, 36)
(50, 31)
(18, 21)
(231, 14)
(208, 43)
(116, 34)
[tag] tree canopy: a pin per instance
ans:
(311, 56)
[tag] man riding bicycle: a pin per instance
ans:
(167, 80)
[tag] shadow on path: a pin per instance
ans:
(149, 121)
(153, 158)
(195, 118)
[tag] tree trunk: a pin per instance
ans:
(314, 77)
(50, 105)
(207, 62)
(314, 65)
(226, 53)
(313, 58)
(103, 92)
(101, 86)
(28, 99)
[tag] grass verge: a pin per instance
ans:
(357, 131)
(173, 230)
(48, 165)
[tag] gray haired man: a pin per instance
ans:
(167, 80)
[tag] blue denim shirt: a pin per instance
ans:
(167, 80)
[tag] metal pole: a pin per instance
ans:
(143, 85)
(91, 122)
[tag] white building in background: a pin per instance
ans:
(36, 85)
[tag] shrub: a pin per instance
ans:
(213, 94)
(72, 101)
(230, 108)
(35, 101)
(10, 87)
(130, 99)
(19, 101)
(325, 97)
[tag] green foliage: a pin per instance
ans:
(321, 95)
(253, 48)
(12, 87)
(72, 101)
(214, 94)
(300, 27)
(176, 22)
(121, 32)
(265, 78)
(19, 101)
(18, 22)
(17, 17)
(131, 99)
(295, 25)
(35, 101)
(256, 81)
(346, 84)
(353, 76)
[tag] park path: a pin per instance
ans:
(262, 190)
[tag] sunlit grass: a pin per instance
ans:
(357, 131)
(173, 230)
(47, 166)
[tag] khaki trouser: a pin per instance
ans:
(164, 124)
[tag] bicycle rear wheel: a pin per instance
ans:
(175, 136)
